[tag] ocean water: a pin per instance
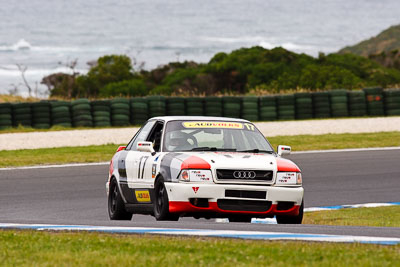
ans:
(44, 36)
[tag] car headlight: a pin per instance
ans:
(195, 176)
(289, 178)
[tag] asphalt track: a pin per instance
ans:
(76, 195)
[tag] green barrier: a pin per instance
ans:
(339, 103)
(250, 108)
(286, 107)
(357, 103)
(157, 106)
(175, 106)
(101, 112)
(120, 112)
(41, 115)
(231, 106)
(61, 113)
(213, 106)
(267, 108)
(81, 113)
(195, 106)
(22, 114)
(5, 116)
(139, 110)
(304, 108)
(374, 97)
(392, 102)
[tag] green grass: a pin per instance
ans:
(27, 248)
(337, 141)
(379, 217)
(104, 152)
(61, 155)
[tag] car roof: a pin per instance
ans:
(196, 118)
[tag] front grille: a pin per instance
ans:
(246, 194)
(243, 205)
(244, 175)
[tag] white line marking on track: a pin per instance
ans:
(106, 163)
(347, 150)
(208, 233)
(55, 166)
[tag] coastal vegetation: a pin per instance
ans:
(246, 70)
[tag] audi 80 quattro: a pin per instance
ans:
(204, 167)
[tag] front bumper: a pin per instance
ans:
(182, 195)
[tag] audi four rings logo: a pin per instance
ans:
(244, 174)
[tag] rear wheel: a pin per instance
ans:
(116, 206)
(282, 219)
(161, 205)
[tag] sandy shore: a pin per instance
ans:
(13, 141)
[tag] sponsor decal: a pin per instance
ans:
(153, 171)
(213, 124)
(155, 160)
(195, 189)
(142, 195)
(286, 178)
(200, 175)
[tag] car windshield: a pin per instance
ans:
(214, 136)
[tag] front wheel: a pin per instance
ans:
(116, 206)
(161, 204)
(282, 219)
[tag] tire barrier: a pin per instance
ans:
(286, 107)
(321, 104)
(41, 118)
(101, 113)
(5, 116)
(195, 106)
(120, 112)
(213, 106)
(135, 111)
(61, 113)
(139, 110)
(81, 113)
(250, 108)
(391, 102)
(339, 103)
(231, 106)
(304, 108)
(357, 104)
(157, 106)
(267, 108)
(374, 96)
(175, 106)
(22, 114)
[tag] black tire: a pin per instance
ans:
(281, 219)
(161, 206)
(116, 206)
(240, 218)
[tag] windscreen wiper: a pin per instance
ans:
(207, 148)
(256, 150)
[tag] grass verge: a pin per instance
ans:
(379, 217)
(104, 152)
(83, 154)
(19, 248)
(337, 141)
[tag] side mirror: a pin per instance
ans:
(284, 150)
(121, 148)
(145, 146)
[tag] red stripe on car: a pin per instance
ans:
(285, 165)
(194, 162)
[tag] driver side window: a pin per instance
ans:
(140, 136)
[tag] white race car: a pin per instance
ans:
(203, 167)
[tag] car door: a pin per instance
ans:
(139, 164)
